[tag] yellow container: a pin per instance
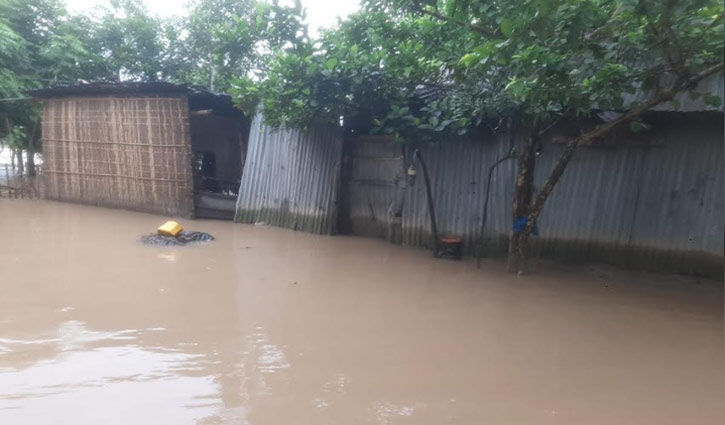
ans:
(170, 228)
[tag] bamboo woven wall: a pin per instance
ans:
(123, 152)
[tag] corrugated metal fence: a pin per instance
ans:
(654, 206)
(374, 184)
(291, 178)
(651, 203)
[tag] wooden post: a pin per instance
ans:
(31, 150)
(21, 165)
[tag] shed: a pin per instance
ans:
(156, 147)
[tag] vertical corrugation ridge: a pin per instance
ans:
(653, 201)
(290, 178)
(656, 204)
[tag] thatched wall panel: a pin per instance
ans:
(125, 152)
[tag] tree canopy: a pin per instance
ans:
(428, 69)
(42, 44)
(413, 68)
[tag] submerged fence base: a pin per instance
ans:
(291, 178)
(696, 263)
(320, 223)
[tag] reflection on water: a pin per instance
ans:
(385, 413)
(267, 326)
(270, 358)
(88, 369)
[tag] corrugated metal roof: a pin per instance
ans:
(291, 178)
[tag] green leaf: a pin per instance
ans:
(331, 63)
(507, 27)
(714, 101)
(514, 86)
(639, 126)
(485, 49)
(467, 59)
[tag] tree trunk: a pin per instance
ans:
(31, 150)
(9, 127)
(31, 160)
(601, 131)
(19, 158)
(513, 255)
(522, 201)
(212, 72)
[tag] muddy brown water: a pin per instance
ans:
(269, 326)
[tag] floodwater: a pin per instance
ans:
(269, 326)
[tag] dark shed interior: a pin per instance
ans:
(219, 134)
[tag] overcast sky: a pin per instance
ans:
(319, 12)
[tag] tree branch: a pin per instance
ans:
(603, 130)
(435, 14)
(550, 126)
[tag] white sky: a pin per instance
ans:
(319, 12)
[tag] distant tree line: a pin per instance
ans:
(42, 44)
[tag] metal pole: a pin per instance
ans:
(481, 235)
(429, 197)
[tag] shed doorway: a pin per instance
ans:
(219, 135)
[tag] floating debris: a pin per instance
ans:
(170, 228)
(183, 238)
